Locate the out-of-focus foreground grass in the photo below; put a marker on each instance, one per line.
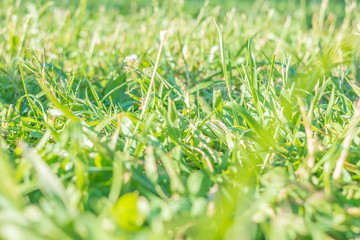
(239, 121)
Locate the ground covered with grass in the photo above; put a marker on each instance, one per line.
(179, 120)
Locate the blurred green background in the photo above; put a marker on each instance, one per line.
(193, 6)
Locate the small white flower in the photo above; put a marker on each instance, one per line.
(132, 57)
(132, 63)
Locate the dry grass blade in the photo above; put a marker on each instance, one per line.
(350, 134)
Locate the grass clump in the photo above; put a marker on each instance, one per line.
(239, 120)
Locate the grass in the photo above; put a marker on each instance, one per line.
(242, 119)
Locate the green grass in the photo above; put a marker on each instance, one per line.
(242, 122)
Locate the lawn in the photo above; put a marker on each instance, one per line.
(179, 119)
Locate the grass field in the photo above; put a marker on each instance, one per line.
(179, 119)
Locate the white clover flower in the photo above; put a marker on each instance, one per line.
(132, 57)
(132, 63)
